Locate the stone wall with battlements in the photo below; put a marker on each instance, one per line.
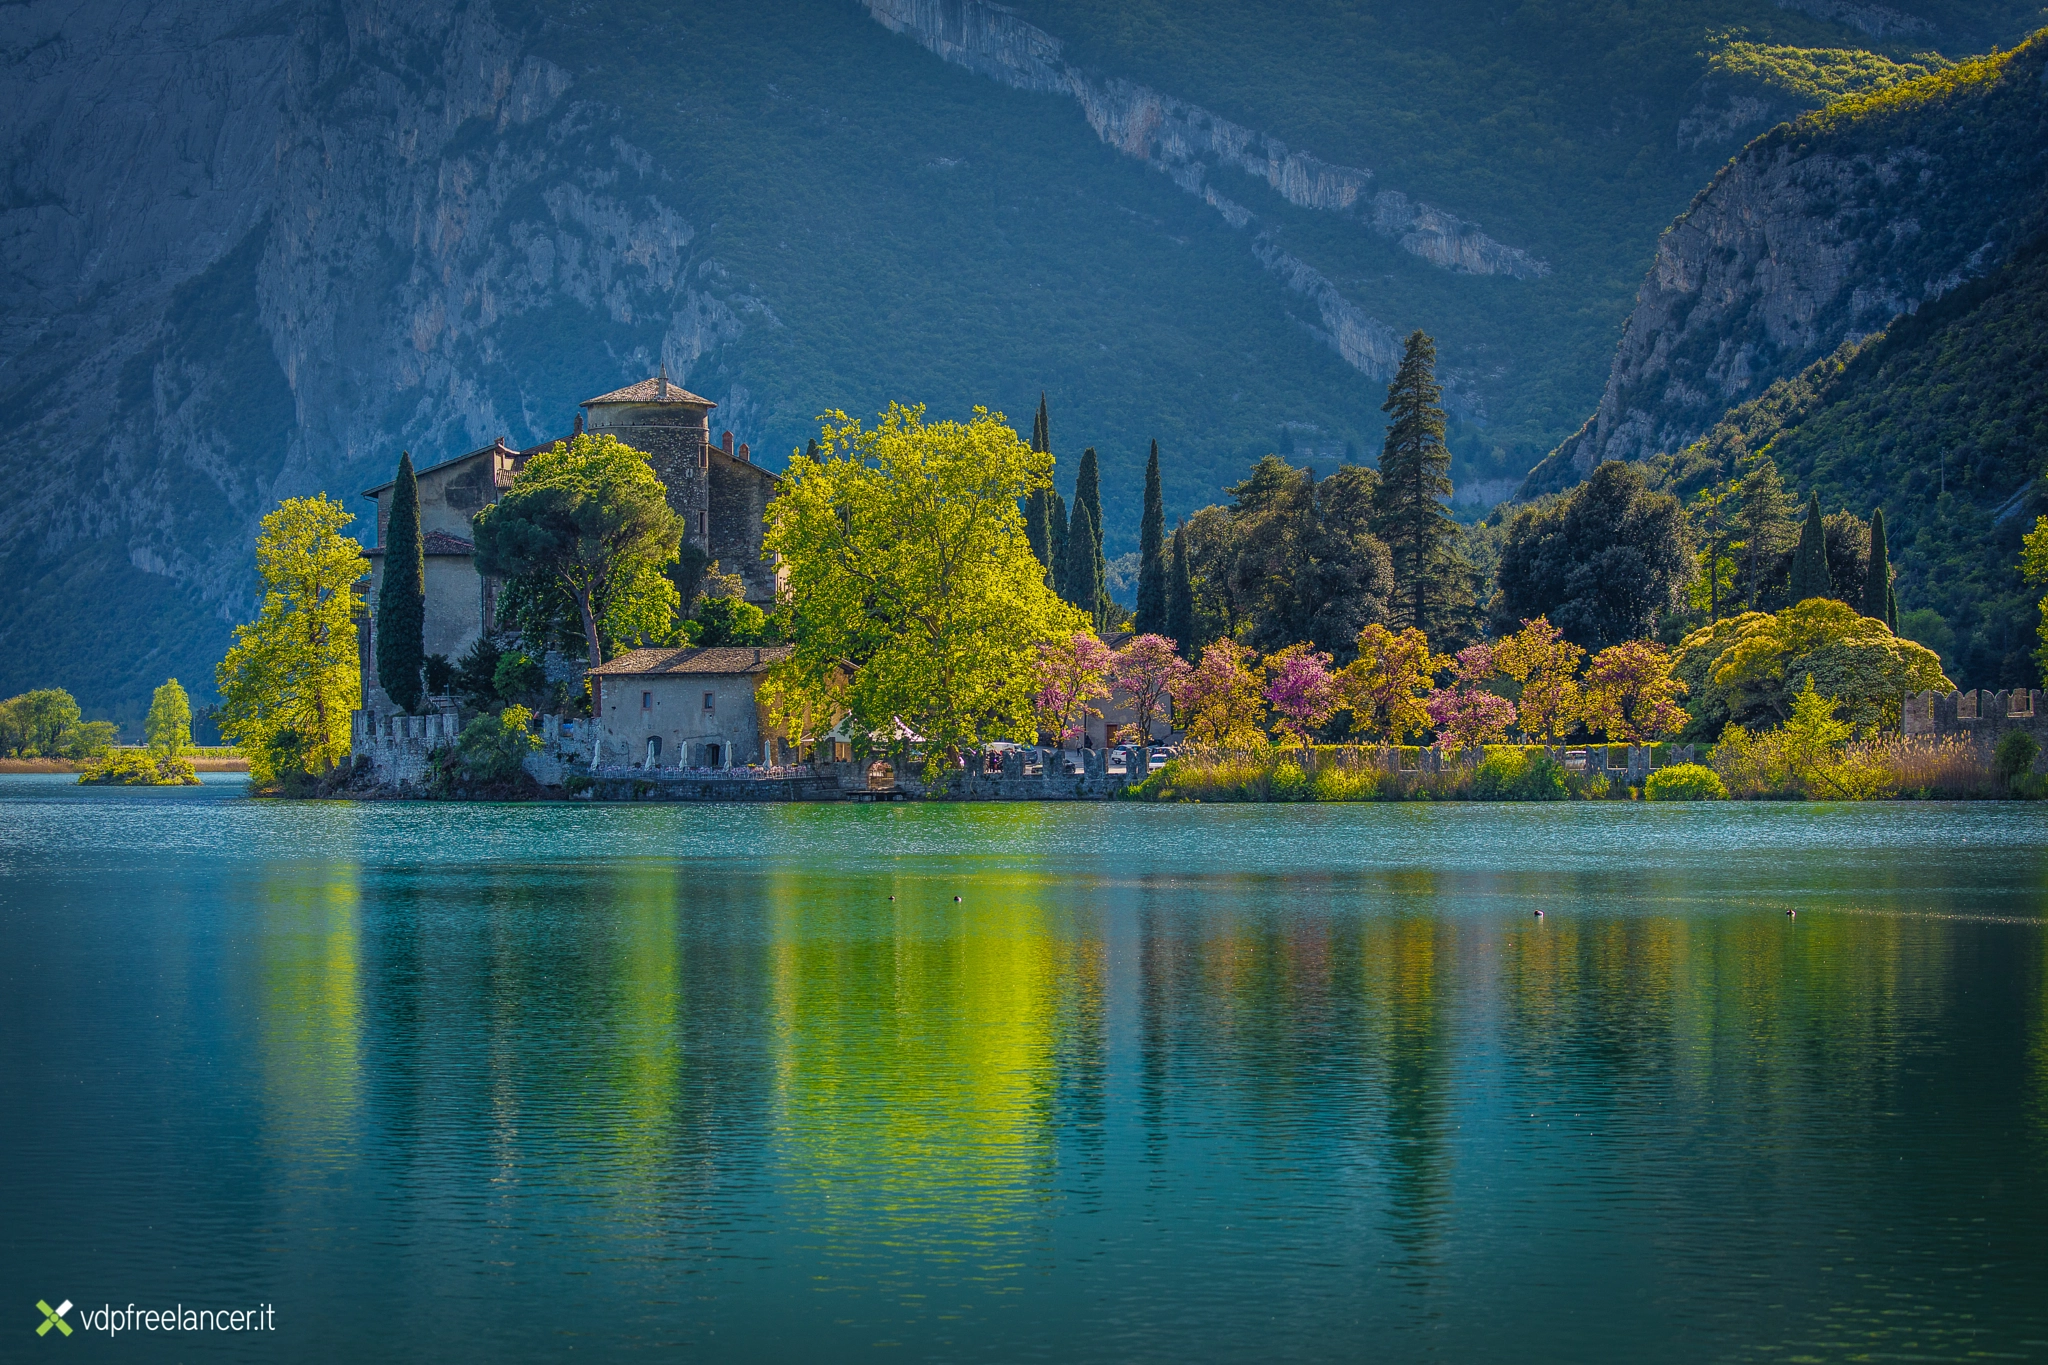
(1983, 716)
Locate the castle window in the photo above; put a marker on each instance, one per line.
(703, 523)
(710, 702)
(646, 701)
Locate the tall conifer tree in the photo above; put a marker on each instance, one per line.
(1408, 505)
(1088, 493)
(1038, 505)
(1180, 596)
(1810, 560)
(1878, 601)
(402, 601)
(1078, 576)
(1150, 618)
(1764, 522)
(1056, 533)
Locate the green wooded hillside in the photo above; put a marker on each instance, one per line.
(1942, 419)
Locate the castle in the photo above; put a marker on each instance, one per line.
(718, 491)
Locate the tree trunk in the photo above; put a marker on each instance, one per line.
(589, 626)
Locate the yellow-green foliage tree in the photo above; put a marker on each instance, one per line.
(291, 680)
(1747, 669)
(585, 531)
(1219, 702)
(1630, 695)
(47, 724)
(1547, 666)
(2034, 564)
(912, 590)
(1386, 686)
(169, 726)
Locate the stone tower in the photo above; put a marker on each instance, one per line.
(719, 492)
(673, 427)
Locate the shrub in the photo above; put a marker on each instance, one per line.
(129, 768)
(1685, 782)
(518, 676)
(1344, 784)
(1507, 774)
(1288, 782)
(2015, 756)
(492, 749)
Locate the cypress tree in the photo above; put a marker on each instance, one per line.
(1408, 506)
(1078, 576)
(1891, 609)
(1878, 601)
(1056, 535)
(1088, 493)
(1810, 560)
(1038, 503)
(402, 601)
(1150, 618)
(1180, 597)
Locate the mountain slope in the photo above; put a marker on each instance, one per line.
(1941, 419)
(256, 248)
(1822, 231)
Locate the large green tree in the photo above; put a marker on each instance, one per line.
(1150, 617)
(293, 677)
(169, 726)
(1810, 561)
(1604, 563)
(1410, 516)
(402, 600)
(587, 521)
(913, 594)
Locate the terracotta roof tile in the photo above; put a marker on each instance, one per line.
(650, 391)
(442, 543)
(724, 659)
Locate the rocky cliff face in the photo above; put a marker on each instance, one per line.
(1191, 145)
(253, 249)
(1819, 232)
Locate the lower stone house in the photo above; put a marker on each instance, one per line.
(684, 708)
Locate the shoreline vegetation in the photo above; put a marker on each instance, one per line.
(1884, 767)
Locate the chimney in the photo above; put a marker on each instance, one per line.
(745, 458)
(725, 442)
(664, 381)
(579, 424)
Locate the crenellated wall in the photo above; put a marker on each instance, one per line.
(398, 750)
(1983, 715)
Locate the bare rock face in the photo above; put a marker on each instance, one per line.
(1190, 145)
(255, 249)
(1818, 233)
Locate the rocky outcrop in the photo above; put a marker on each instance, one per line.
(1879, 21)
(1819, 232)
(1191, 145)
(255, 249)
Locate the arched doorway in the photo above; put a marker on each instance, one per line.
(653, 750)
(712, 754)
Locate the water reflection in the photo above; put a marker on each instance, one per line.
(1201, 1086)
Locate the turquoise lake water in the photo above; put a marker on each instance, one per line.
(1164, 1083)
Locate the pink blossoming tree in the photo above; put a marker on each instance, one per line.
(1147, 671)
(1301, 691)
(1072, 674)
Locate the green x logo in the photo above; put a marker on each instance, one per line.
(54, 1317)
